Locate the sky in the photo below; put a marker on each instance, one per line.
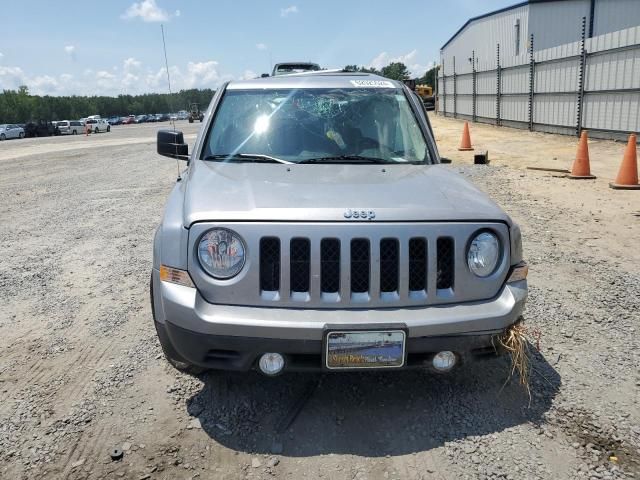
(115, 47)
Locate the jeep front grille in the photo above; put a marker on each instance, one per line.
(360, 266)
(352, 265)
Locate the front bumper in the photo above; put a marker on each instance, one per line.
(232, 337)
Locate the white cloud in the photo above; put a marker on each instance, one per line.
(248, 75)
(1, 54)
(131, 77)
(285, 12)
(409, 59)
(177, 13)
(261, 46)
(71, 51)
(147, 11)
(131, 64)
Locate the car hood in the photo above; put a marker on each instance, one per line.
(278, 192)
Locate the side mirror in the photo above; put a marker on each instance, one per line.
(171, 144)
(445, 160)
(264, 75)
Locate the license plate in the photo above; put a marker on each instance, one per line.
(365, 349)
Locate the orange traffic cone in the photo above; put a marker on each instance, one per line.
(465, 143)
(581, 169)
(627, 178)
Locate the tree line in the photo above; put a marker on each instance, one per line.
(18, 106)
(398, 71)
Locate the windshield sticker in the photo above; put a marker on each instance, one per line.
(372, 83)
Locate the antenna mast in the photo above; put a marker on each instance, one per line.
(166, 64)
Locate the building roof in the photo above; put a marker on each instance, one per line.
(505, 9)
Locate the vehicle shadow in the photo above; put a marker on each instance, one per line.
(369, 414)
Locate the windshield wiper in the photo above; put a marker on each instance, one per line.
(346, 159)
(246, 157)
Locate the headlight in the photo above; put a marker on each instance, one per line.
(483, 255)
(221, 253)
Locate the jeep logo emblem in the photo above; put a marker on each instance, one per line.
(359, 214)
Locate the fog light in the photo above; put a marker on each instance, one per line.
(444, 361)
(271, 363)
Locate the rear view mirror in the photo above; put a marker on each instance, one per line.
(171, 144)
(445, 160)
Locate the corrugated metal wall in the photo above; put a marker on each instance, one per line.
(483, 35)
(610, 101)
(557, 23)
(613, 15)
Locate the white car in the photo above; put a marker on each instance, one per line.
(8, 131)
(97, 125)
(73, 127)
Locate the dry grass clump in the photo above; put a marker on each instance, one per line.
(518, 340)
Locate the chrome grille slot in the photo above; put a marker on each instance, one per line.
(389, 263)
(330, 265)
(270, 264)
(300, 256)
(360, 265)
(417, 264)
(445, 263)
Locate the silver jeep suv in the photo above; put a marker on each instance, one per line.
(314, 228)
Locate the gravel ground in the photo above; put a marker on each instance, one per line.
(81, 371)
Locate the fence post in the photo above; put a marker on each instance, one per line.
(444, 90)
(531, 82)
(581, 73)
(498, 85)
(455, 86)
(435, 88)
(474, 96)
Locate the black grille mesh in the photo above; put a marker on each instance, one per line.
(360, 259)
(270, 264)
(330, 265)
(300, 258)
(417, 264)
(445, 263)
(389, 265)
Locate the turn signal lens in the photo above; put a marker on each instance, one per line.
(174, 275)
(519, 272)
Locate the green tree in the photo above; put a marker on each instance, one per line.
(17, 106)
(356, 68)
(396, 71)
(429, 77)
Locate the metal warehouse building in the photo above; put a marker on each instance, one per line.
(551, 65)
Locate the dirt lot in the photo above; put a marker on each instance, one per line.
(81, 372)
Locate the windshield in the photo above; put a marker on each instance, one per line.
(337, 124)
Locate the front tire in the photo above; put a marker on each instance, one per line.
(97, 130)
(108, 128)
(21, 135)
(3, 137)
(170, 353)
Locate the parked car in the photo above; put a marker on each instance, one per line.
(41, 128)
(97, 125)
(162, 117)
(70, 127)
(114, 121)
(288, 68)
(151, 118)
(317, 229)
(129, 120)
(9, 130)
(183, 115)
(173, 116)
(141, 119)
